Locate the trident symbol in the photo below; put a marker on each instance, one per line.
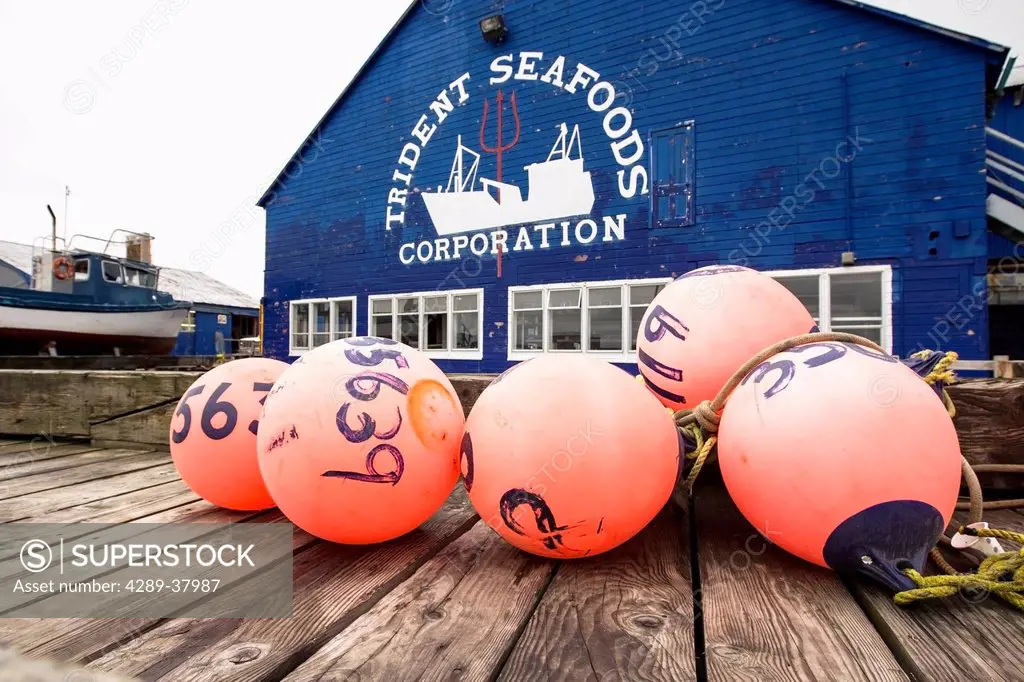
(499, 148)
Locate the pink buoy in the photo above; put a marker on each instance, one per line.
(842, 456)
(359, 440)
(568, 456)
(213, 433)
(703, 326)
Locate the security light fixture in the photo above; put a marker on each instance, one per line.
(493, 28)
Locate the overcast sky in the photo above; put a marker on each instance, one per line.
(171, 116)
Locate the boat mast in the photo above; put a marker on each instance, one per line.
(564, 144)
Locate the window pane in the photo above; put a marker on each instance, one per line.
(643, 294)
(82, 270)
(111, 271)
(564, 298)
(527, 300)
(606, 329)
(465, 302)
(436, 330)
(605, 297)
(300, 331)
(382, 306)
(408, 305)
(343, 319)
(409, 330)
(566, 330)
(636, 315)
(805, 288)
(382, 327)
(871, 333)
(856, 295)
(435, 304)
(466, 328)
(321, 323)
(528, 327)
(301, 317)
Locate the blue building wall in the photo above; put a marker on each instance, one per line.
(772, 89)
(202, 341)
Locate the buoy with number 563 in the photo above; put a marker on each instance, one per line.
(213, 433)
(359, 440)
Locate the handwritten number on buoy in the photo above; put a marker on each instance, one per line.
(212, 409)
(372, 475)
(367, 426)
(363, 341)
(376, 357)
(543, 516)
(356, 386)
(185, 411)
(257, 387)
(834, 352)
(786, 368)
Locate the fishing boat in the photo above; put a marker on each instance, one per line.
(82, 302)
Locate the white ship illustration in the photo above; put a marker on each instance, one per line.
(558, 188)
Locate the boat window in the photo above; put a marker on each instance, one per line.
(140, 278)
(112, 272)
(82, 270)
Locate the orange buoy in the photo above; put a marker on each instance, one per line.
(568, 456)
(213, 433)
(359, 440)
(703, 326)
(842, 456)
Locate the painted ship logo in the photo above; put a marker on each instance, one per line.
(556, 188)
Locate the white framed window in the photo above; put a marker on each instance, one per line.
(442, 324)
(189, 323)
(315, 322)
(856, 299)
(598, 318)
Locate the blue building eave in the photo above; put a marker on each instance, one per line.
(997, 55)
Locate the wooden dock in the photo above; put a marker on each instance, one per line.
(698, 595)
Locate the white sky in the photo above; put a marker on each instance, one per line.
(171, 116)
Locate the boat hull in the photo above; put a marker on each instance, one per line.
(27, 330)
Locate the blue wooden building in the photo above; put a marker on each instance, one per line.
(500, 183)
(221, 316)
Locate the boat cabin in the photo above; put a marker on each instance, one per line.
(108, 279)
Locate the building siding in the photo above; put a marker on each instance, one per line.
(772, 89)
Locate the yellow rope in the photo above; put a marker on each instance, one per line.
(999, 574)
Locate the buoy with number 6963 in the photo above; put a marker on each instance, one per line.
(702, 327)
(359, 440)
(213, 433)
(843, 456)
(569, 456)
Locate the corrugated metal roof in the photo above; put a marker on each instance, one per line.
(17, 255)
(198, 287)
(183, 285)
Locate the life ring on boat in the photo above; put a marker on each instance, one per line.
(63, 268)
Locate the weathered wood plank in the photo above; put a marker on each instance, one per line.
(124, 507)
(623, 615)
(43, 450)
(970, 636)
(69, 402)
(149, 427)
(61, 636)
(36, 504)
(15, 668)
(117, 462)
(768, 615)
(29, 466)
(990, 425)
(457, 617)
(334, 585)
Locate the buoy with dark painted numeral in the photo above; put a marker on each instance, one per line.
(703, 326)
(359, 440)
(844, 457)
(213, 433)
(569, 456)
